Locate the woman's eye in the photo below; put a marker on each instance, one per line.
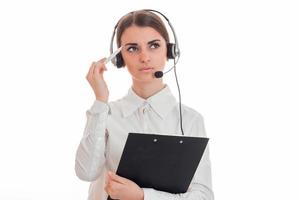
(132, 49)
(154, 46)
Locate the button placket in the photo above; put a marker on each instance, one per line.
(146, 109)
(144, 113)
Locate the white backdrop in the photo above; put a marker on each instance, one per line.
(239, 68)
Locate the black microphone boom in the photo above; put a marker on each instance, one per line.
(158, 74)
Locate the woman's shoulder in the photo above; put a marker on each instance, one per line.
(116, 106)
(191, 113)
(118, 103)
(193, 121)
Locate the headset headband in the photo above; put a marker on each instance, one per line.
(177, 51)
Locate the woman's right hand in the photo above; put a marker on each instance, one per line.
(96, 80)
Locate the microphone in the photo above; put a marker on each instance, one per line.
(158, 74)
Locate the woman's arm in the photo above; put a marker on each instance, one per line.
(90, 156)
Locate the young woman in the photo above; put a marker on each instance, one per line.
(149, 107)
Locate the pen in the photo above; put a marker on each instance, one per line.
(113, 55)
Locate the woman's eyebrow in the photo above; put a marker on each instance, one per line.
(135, 44)
(152, 41)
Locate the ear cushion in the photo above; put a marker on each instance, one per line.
(119, 61)
(171, 51)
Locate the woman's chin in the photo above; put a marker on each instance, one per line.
(145, 78)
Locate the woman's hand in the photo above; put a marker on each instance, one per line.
(96, 80)
(121, 188)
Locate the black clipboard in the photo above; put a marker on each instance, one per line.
(162, 162)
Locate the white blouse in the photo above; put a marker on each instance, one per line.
(106, 131)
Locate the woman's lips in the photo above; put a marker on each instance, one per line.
(146, 69)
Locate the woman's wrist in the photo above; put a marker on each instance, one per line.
(104, 100)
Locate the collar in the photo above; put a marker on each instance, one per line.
(161, 102)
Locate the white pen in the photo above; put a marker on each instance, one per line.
(113, 55)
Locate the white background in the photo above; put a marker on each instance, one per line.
(239, 68)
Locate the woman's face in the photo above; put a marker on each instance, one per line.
(144, 52)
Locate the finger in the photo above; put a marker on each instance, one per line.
(113, 188)
(102, 60)
(107, 180)
(108, 191)
(100, 67)
(98, 73)
(116, 178)
(91, 69)
(96, 68)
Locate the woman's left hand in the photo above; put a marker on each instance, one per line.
(121, 188)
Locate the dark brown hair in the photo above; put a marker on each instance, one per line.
(142, 18)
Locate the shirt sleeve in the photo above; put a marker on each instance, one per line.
(201, 184)
(90, 155)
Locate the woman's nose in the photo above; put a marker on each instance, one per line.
(144, 56)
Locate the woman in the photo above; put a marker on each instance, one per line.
(149, 107)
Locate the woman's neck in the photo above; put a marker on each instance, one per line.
(147, 89)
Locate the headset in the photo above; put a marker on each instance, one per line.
(173, 52)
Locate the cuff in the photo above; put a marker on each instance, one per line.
(99, 107)
(148, 193)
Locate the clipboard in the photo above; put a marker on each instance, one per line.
(162, 162)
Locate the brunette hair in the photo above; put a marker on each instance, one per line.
(142, 18)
